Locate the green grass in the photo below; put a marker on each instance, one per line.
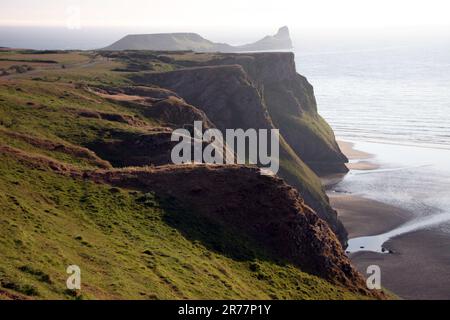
(58, 155)
(128, 245)
(50, 110)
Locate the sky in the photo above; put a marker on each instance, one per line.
(250, 14)
(88, 24)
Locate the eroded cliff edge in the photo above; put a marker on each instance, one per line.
(261, 91)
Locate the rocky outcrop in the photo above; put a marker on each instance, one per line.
(176, 113)
(192, 41)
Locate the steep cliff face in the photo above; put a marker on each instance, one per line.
(292, 106)
(231, 90)
(224, 93)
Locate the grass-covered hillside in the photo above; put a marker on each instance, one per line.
(129, 243)
(125, 245)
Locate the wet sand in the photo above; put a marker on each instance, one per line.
(365, 217)
(419, 268)
(351, 153)
(358, 159)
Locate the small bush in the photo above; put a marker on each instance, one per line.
(255, 267)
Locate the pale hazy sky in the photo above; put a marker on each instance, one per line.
(227, 13)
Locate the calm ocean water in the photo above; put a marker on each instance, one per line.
(393, 102)
(392, 95)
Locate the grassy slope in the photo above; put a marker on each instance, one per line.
(124, 246)
(122, 240)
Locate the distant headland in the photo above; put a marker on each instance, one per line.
(192, 41)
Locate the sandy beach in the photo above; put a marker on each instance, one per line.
(419, 267)
(365, 217)
(358, 160)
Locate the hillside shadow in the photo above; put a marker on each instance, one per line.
(212, 235)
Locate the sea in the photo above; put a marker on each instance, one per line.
(390, 96)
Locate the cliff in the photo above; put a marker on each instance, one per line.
(263, 91)
(84, 153)
(192, 41)
(292, 106)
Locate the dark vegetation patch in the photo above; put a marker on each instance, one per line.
(43, 51)
(40, 275)
(26, 289)
(15, 69)
(30, 60)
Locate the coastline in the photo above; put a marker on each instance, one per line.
(362, 216)
(418, 265)
(358, 160)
